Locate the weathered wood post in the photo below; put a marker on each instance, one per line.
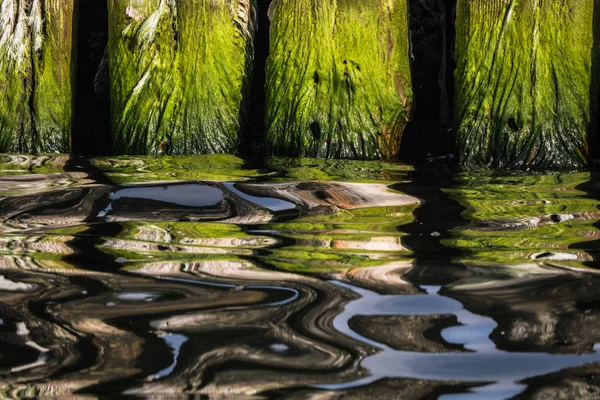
(595, 91)
(178, 73)
(37, 67)
(523, 82)
(338, 78)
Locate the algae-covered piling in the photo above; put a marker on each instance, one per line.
(523, 82)
(36, 79)
(338, 78)
(595, 90)
(178, 74)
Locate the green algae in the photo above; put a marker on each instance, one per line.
(37, 80)
(595, 91)
(523, 78)
(338, 78)
(178, 74)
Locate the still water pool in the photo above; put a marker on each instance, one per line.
(296, 279)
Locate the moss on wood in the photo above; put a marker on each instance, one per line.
(178, 74)
(338, 78)
(595, 91)
(36, 83)
(523, 80)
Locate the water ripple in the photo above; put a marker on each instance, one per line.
(295, 279)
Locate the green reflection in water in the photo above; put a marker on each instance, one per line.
(182, 241)
(314, 169)
(17, 164)
(217, 167)
(544, 219)
(153, 169)
(347, 239)
(524, 218)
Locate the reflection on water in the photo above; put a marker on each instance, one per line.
(295, 279)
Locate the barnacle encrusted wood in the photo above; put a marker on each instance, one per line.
(338, 78)
(178, 74)
(36, 75)
(523, 82)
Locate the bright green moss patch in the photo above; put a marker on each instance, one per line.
(338, 78)
(178, 74)
(523, 79)
(36, 79)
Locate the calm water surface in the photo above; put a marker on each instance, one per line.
(297, 279)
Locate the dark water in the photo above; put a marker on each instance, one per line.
(297, 279)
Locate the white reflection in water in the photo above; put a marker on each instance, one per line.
(270, 203)
(502, 371)
(174, 341)
(187, 195)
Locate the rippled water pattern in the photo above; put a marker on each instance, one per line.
(297, 279)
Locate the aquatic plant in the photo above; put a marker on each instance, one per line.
(523, 79)
(338, 78)
(178, 74)
(36, 83)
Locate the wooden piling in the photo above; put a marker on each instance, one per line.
(338, 78)
(37, 64)
(523, 83)
(178, 73)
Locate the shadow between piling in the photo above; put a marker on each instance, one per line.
(432, 30)
(92, 112)
(252, 133)
(437, 216)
